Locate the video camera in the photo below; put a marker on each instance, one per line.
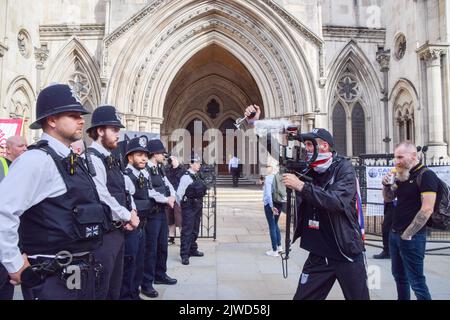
(293, 155)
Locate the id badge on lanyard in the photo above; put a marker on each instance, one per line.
(314, 223)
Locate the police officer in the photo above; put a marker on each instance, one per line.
(137, 155)
(156, 229)
(110, 182)
(190, 195)
(51, 207)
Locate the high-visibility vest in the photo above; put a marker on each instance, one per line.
(5, 166)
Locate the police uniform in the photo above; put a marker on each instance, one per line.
(6, 288)
(133, 270)
(190, 195)
(156, 229)
(49, 205)
(113, 190)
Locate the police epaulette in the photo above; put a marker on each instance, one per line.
(38, 145)
(128, 171)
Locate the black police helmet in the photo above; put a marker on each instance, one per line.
(54, 99)
(105, 116)
(156, 146)
(137, 145)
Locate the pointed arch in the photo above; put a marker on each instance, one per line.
(75, 65)
(20, 101)
(352, 61)
(273, 53)
(404, 112)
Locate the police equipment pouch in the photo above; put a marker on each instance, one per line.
(90, 221)
(196, 190)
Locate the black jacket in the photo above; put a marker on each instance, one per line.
(333, 194)
(174, 175)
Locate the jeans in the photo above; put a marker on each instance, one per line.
(407, 265)
(274, 229)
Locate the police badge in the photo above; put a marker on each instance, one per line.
(143, 142)
(74, 93)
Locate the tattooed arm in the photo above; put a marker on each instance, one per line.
(428, 201)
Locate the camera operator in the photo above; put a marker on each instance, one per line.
(327, 223)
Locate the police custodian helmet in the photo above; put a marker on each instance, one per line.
(156, 146)
(138, 144)
(105, 116)
(56, 98)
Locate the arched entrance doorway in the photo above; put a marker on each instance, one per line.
(213, 87)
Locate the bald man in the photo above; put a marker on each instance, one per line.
(15, 146)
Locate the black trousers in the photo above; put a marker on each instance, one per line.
(191, 212)
(110, 255)
(6, 288)
(235, 172)
(319, 275)
(387, 224)
(156, 249)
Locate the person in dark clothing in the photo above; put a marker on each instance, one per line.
(174, 172)
(389, 208)
(415, 188)
(327, 223)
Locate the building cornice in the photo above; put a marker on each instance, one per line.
(333, 32)
(82, 31)
(432, 51)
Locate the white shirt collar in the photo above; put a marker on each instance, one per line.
(60, 148)
(135, 171)
(100, 148)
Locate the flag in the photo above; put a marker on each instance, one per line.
(359, 210)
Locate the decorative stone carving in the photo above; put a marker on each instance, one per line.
(215, 24)
(384, 59)
(431, 53)
(400, 46)
(80, 84)
(157, 4)
(41, 55)
(24, 43)
(348, 88)
(3, 48)
(81, 31)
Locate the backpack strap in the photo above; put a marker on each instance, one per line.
(418, 178)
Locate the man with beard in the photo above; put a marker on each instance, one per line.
(156, 229)
(50, 206)
(133, 271)
(110, 182)
(415, 204)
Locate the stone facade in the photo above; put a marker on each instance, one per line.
(373, 72)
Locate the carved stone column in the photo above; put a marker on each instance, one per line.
(384, 59)
(41, 56)
(431, 54)
(130, 120)
(156, 125)
(143, 121)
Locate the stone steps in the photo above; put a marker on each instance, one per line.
(241, 194)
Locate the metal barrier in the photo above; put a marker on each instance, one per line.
(373, 212)
(208, 223)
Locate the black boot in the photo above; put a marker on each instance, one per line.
(382, 255)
